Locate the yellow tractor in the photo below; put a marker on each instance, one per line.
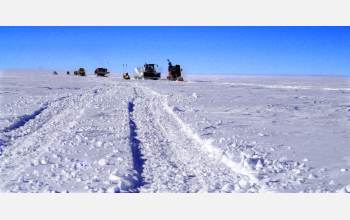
(80, 72)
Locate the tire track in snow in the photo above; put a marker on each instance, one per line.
(31, 147)
(9, 132)
(25, 118)
(137, 156)
(206, 146)
(35, 153)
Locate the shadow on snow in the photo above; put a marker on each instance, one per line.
(24, 119)
(138, 161)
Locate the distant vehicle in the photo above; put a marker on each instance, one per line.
(55, 73)
(174, 72)
(126, 76)
(101, 72)
(68, 72)
(148, 71)
(80, 72)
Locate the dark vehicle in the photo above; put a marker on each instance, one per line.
(150, 72)
(101, 72)
(174, 72)
(68, 72)
(126, 76)
(55, 73)
(80, 72)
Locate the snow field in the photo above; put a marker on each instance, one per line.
(75, 134)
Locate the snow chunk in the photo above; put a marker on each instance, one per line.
(102, 162)
(43, 161)
(112, 189)
(262, 134)
(99, 143)
(35, 163)
(259, 165)
(114, 178)
(243, 183)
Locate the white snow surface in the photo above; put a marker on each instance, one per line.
(61, 133)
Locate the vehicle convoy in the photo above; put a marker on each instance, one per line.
(174, 72)
(80, 72)
(101, 72)
(148, 71)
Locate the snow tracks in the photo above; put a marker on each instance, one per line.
(74, 144)
(119, 137)
(176, 159)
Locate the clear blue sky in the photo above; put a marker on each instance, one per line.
(220, 50)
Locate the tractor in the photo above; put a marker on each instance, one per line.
(80, 72)
(148, 72)
(174, 72)
(101, 72)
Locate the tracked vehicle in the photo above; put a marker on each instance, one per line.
(101, 72)
(174, 72)
(148, 71)
(80, 72)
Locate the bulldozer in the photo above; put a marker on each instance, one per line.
(101, 72)
(148, 72)
(80, 72)
(174, 72)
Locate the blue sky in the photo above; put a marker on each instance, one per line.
(200, 50)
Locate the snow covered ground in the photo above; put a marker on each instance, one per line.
(214, 134)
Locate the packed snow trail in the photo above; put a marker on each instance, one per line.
(177, 159)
